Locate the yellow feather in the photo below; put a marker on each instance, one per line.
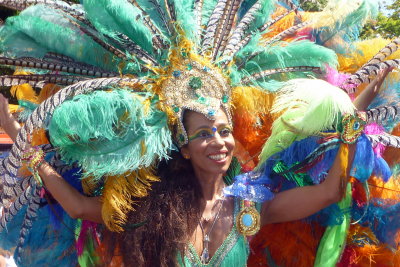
(334, 12)
(47, 91)
(251, 99)
(119, 194)
(13, 108)
(25, 91)
(365, 50)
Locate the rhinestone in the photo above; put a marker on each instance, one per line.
(176, 73)
(195, 82)
(201, 100)
(247, 220)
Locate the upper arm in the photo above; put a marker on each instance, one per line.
(90, 209)
(297, 203)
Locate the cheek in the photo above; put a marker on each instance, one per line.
(196, 147)
(231, 144)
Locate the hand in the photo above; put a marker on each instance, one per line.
(7, 120)
(365, 98)
(377, 82)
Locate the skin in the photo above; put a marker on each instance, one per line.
(289, 205)
(2, 261)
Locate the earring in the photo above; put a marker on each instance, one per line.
(185, 156)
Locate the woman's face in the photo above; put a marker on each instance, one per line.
(211, 143)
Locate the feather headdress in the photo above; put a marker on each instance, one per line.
(137, 55)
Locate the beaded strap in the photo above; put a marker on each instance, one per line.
(33, 158)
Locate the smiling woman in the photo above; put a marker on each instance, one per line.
(141, 138)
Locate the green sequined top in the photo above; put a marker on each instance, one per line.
(234, 251)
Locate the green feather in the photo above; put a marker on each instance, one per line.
(333, 241)
(38, 30)
(156, 17)
(260, 17)
(308, 107)
(110, 132)
(208, 8)
(185, 17)
(234, 170)
(340, 35)
(119, 16)
(300, 53)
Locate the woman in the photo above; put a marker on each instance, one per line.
(172, 56)
(187, 212)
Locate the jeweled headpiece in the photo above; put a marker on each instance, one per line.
(197, 87)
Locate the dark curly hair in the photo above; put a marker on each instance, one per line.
(161, 225)
(163, 222)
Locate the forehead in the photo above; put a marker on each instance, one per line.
(195, 120)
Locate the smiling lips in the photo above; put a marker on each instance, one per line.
(218, 157)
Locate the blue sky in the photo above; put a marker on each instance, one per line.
(383, 3)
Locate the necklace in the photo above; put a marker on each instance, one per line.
(205, 255)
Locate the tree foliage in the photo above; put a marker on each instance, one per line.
(313, 5)
(386, 26)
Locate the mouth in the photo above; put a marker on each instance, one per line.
(218, 157)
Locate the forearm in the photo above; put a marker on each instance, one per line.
(365, 98)
(11, 127)
(73, 202)
(301, 202)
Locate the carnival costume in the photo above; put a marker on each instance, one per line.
(131, 68)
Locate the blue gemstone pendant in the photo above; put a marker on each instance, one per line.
(248, 221)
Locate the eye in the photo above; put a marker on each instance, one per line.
(225, 132)
(204, 134)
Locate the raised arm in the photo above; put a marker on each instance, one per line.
(73, 202)
(7, 120)
(302, 202)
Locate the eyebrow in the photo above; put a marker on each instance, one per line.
(209, 127)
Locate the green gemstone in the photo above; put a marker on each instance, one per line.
(184, 54)
(189, 67)
(181, 138)
(176, 109)
(202, 100)
(225, 99)
(195, 83)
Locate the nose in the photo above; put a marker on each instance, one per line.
(218, 139)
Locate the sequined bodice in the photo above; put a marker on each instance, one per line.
(233, 251)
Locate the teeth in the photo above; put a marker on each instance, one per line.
(217, 157)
